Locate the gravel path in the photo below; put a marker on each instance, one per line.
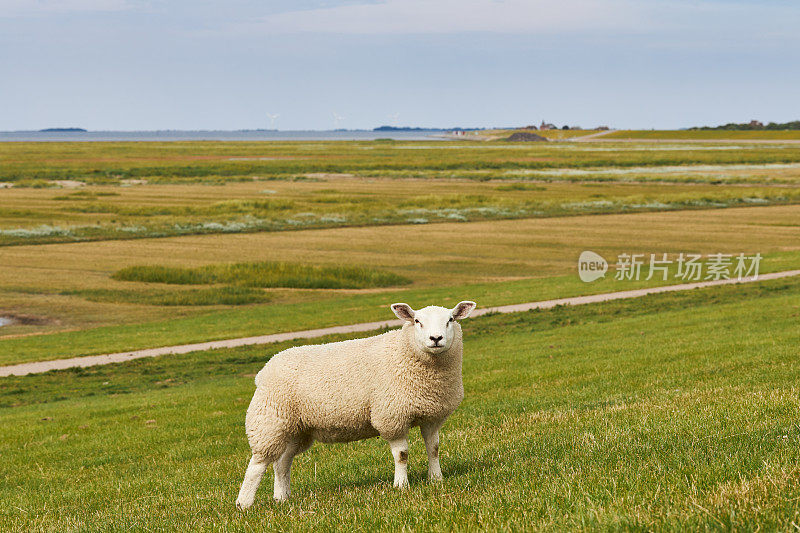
(93, 360)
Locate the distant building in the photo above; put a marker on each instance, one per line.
(603, 128)
(756, 124)
(546, 126)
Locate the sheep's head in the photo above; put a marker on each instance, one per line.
(434, 327)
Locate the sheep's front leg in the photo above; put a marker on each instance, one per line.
(399, 448)
(430, 433)
(252, 478)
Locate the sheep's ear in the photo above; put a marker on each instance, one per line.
(403, 312)
(463, 309)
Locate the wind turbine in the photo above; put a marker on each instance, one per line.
(272, 119)
(337, 118)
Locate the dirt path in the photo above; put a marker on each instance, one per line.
(591, 136)
(93, 360)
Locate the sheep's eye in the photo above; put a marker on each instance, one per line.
(451, 319)
(417, 321)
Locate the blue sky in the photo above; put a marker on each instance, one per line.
(179, 64)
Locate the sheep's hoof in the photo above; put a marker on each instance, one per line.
(435, 478)
(242, 506)
(401, 484)
(280, 498)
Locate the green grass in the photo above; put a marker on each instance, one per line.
(85, 195)
(673, 412)
(265, 274)
(145, 374)
(188, 297)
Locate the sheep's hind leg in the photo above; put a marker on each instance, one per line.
(283, 467)
(252, 478)
(399, 448)
(430, 433)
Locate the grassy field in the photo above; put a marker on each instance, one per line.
(711, 135)
(68, 192)
(197, 205)
(37, 164)
(503, 262)
(35, 216)
(673, 412)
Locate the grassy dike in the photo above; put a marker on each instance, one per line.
(669, 412)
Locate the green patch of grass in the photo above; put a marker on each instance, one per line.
(85, 195)
(226, 207)
(266, 274)
(252, 206)
(520, 187)
(450, 201)
(189, 297)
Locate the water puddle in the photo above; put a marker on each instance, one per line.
(25, 320)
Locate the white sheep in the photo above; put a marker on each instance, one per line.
(356, 389)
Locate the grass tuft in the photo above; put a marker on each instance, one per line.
(190, 297)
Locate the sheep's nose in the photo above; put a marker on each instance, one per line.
(436, 339)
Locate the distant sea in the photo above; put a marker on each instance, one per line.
(244, 135)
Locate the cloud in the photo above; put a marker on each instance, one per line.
(541, 17)
(455, 16)
(25, 8)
